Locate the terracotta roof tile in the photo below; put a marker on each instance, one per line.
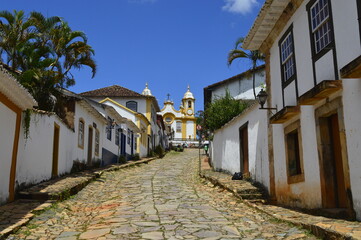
(111, 91)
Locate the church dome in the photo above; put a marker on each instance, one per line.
(147, 91)
(188, 94)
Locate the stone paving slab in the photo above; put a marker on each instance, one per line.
(164, 199)
(326, 228)
(43, 195)
(64, 187)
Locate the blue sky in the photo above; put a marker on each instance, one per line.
(167, 43)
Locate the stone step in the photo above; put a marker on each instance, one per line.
(256, 196)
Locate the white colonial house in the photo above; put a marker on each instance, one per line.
(14, 99)
(313, 71)
(241, 144)
(83, 132)
(140, 108)
(181, 124)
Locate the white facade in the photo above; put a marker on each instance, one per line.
(35, 157)
(13, 100)
(321, 108)
(226, 145)
(7, 127)
(240, 88)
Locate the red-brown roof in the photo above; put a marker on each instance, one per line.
(111, 91)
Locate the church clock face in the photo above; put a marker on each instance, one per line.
(189, 111)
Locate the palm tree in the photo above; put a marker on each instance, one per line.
(71, 52)
(14, 34)
(254, 56)
(43, 51)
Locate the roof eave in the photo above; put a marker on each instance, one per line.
(264, 23)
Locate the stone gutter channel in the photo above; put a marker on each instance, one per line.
(325, 228)
(38, 198)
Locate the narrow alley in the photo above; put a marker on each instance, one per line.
(164, 199)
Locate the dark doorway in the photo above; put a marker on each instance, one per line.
(132, 143)
(90, 146)
(332, 172)
(54, 170)
(243, 148)
(122, 143)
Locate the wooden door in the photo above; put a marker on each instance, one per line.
(243, 148)
(54, 170)
(90, 146)
(332, 172)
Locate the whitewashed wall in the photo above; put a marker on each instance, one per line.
(304, 194)
(35, 154)
(7, 129)
(352, 119)
(89, 119)
(225, 145)
(346, 31)
(238, 87)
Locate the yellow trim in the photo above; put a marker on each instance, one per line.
(141, 116)
(148, 110)
(172, 108)
(138, 139)
(171, 115)
(184, 129)
(189, 118)
(195, 129)
(118, 104)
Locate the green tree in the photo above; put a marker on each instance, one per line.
(254, 56)
(43, 51)
(14, 34)
(222, 110)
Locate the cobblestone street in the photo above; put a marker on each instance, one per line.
(164, 199)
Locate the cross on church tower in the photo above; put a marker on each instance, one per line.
(168, 95)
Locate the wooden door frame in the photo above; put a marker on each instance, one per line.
(56, 139)
(90, 145)
(334, 107)
(241, 130)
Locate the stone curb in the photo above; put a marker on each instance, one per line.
(317, 230)
(62, 195)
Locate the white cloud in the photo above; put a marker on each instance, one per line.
(239, 6)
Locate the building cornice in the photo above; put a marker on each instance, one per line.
(270, 21)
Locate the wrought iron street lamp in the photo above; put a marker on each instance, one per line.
(262, 98)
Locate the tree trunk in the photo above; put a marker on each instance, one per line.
(254, 80)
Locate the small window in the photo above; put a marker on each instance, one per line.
(288, 65)
(168, 119)
(179, 127)
(132, 105)
(287, 57)
(294, 153)
(189, 104)
(81, 133)
(320, 25)
(96, 150)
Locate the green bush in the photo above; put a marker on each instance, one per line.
(222, 110)
(78, 166)
(151, 154)
(122, 159)
(159, 151)
(136, 156)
